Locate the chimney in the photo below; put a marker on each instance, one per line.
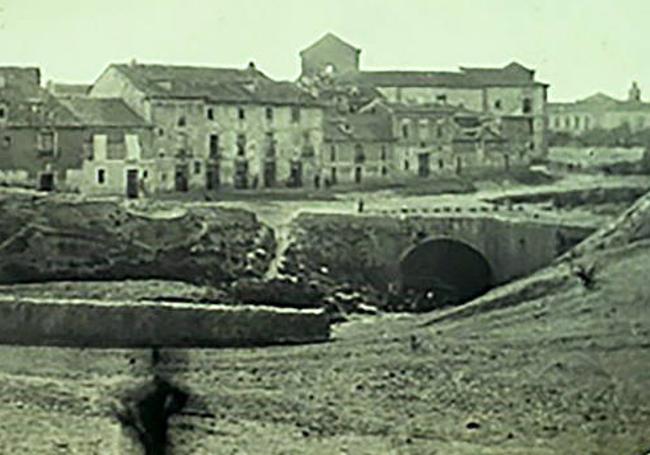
(133, 62)
(251, 66)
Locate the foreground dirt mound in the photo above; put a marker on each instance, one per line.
(52, 238)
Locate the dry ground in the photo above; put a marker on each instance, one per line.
(551, 368)
(565, 373)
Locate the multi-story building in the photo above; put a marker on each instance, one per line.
(217, 126)
(510, 94)
(440, 138)
(114, 147)
(600, 111)
(358, 147)
(43, 139)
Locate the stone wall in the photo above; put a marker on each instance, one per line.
(93, 323)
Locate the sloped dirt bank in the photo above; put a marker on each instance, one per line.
(46, 239)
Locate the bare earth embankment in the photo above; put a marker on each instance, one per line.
(552, 364)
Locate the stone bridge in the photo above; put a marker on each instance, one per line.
(464, 253)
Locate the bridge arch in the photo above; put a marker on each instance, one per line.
(454, 270)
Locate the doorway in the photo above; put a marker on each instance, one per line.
(132, 183)
(295, 175)
(181, 177)
(212, 176)
(269, 173)
(241, 174)
(358, 174)
(46, 181)
(423, 165)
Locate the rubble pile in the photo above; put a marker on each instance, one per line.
(49, 238)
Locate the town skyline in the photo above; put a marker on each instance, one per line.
(591, 47)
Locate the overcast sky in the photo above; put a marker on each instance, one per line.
(578, 46)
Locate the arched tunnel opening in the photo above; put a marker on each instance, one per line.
(443, 271)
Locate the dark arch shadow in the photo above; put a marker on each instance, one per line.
(455, 271)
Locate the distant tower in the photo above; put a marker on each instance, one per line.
(634, 94)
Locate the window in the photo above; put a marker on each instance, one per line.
(46, 142)
(182, 121)
(442, 98)
(269, 114)
(145, 174)
(405, 130)
(3, 112)
(567, 122)
(406, 165)
(241, 144)
(576, 122)
(384, 170)
(423, 144)
(214, 146)
(210, 113)
(438, 131)
(383, 153)
(558, 122)
(359, 156)
(6, 142)
(270, 145)
(197, 167)
(333, 153)
(101, 176)
(527, 106)
(586, 123)
(241, 113)
(160, 132)
(295, 114)
(308, 149)
(497, 104)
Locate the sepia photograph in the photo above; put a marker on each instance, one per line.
(325, 227)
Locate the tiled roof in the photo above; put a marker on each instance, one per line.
(513, 74)
(103, 112)
(27, 103)
(225, 85)
(359, 128)
(61, 90)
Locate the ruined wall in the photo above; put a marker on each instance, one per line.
(93, 323)
(341, 57)
(369, 248)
